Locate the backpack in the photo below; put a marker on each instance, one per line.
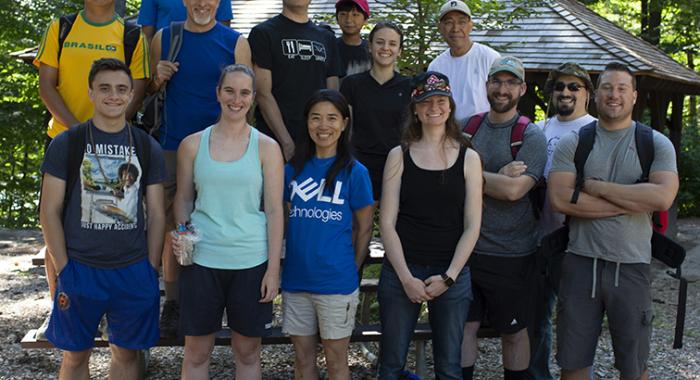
(538, 192)
(132, 32)
(516, 133)
(76, 149)
(553, 246)
(151, 115)
(644, 142)
(663, 248)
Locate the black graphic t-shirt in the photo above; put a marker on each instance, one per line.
(104, 221)
(300, 57)
(354, 59)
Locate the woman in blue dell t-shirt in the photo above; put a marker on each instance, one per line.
(324, 188)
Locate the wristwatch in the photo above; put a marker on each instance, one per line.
(447, 279)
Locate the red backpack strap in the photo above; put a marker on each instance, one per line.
(517, 133)
(473, 124)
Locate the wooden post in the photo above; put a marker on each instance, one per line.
(640, 105)
(659, 107)
(675, 132)
(526, 105)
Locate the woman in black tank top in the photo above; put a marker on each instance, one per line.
(430, 219)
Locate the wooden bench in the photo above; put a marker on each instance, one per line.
(363, 333)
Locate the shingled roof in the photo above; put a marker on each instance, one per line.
(566, 30)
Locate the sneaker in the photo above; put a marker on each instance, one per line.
(169, 318)
(41, 331)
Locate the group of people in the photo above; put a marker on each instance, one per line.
(445, 156)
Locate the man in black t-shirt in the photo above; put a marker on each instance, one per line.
(292, 59)
(352, 15)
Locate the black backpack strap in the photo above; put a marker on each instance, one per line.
(644, 141)
(143, 152)
(76, 149)
(176, 33)
(132, 33)
(65, 23)
(586, 138)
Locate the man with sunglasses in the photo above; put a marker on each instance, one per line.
(503, 257)
(569, 88)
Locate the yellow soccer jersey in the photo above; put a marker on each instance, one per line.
(86, 43)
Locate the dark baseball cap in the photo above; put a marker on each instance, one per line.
(568, 68)
(429, 84)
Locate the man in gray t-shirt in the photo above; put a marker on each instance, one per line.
(607, 268)
(503, 256)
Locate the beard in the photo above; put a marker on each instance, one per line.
(565, 109)
(202, 20)
(502, 107)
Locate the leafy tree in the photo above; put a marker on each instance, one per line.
(22, 23)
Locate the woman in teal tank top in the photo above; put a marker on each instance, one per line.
(223, 174)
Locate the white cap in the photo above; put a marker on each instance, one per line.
(454, 5)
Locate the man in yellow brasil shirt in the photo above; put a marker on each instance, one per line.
(98, 32)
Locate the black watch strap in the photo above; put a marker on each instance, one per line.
(449, 281)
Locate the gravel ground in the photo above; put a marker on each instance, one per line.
(25, 304)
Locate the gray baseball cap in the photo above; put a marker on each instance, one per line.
(508, 64)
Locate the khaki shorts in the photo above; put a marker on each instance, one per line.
(330, 315)
(170, 187)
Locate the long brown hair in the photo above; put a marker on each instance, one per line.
(413, 130)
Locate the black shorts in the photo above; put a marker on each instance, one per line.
(502, 291)
(205, 292)
(375, 165)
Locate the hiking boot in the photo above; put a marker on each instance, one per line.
(169, 318)
(41, 331)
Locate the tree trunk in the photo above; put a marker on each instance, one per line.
(693, 101)
(644, 19)
(651, 21)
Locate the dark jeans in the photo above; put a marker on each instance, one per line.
(398, 315)
(540, 330)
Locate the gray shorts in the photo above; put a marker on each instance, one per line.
(581, 308)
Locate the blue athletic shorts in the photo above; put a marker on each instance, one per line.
(129, 296)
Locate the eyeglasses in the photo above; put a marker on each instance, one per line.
(573, 86)
(510, 83)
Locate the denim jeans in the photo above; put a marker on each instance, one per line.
(540, 331)
(398, 315)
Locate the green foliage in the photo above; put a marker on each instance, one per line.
(688, 163)
(22, 23)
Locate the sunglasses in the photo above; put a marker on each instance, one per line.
(573, 86)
